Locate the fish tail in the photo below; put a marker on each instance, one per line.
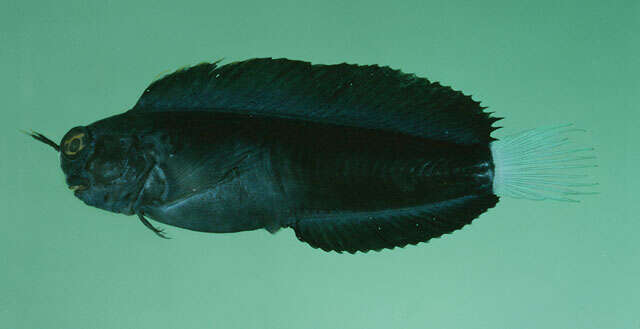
(542, 164)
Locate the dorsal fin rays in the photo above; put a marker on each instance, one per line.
(367, 96)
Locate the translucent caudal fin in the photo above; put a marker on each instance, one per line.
(541, 164)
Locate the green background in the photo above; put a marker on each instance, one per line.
(521, 265)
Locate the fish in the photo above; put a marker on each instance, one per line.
(351, 157)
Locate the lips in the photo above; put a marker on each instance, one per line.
(75, 188)
(77, 184)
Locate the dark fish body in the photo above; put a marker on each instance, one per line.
(352, 158)
(220, 172)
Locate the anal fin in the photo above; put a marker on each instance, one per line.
(386, 229)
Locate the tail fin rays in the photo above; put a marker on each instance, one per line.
(542, 164)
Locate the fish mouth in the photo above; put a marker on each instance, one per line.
(76, 188)
(77, 184)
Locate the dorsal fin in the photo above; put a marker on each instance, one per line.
(343, 94)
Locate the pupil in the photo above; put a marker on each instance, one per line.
(74, 145)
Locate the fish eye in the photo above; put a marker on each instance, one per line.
(74, 143)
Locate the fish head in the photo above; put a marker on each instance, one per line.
(103, 168)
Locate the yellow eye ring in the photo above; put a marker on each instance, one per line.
(74, 144)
